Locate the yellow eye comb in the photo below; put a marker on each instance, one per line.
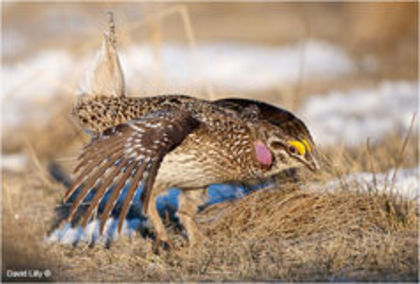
(301, 146)
(308, 146)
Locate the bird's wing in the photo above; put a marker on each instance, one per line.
(129, 153)
(262, 111)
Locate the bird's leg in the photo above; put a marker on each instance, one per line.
(189, 200)
(160, 231)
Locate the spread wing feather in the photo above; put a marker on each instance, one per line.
(128, 153)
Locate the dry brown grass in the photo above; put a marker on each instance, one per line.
(284, 234)
(287, 234)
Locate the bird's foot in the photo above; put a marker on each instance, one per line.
(161, 244)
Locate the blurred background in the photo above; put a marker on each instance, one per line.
(305, 57)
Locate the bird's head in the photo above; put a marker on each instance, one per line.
(282, 140)
(280, 149)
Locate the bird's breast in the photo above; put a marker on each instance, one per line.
(185, 170)
(205, 158)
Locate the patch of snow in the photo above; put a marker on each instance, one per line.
(406, 183)
(14, 162)
(351, 117)
(234, 66)
(69, 235)
(25, 77)
(30, 87)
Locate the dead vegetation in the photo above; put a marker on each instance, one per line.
(283, 234)
(286, 234)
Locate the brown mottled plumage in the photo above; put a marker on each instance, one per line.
(174, 141)
(179, 141)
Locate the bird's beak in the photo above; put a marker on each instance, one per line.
(312, 163)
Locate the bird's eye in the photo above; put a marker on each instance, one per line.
(296, 147)
(292, 150)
